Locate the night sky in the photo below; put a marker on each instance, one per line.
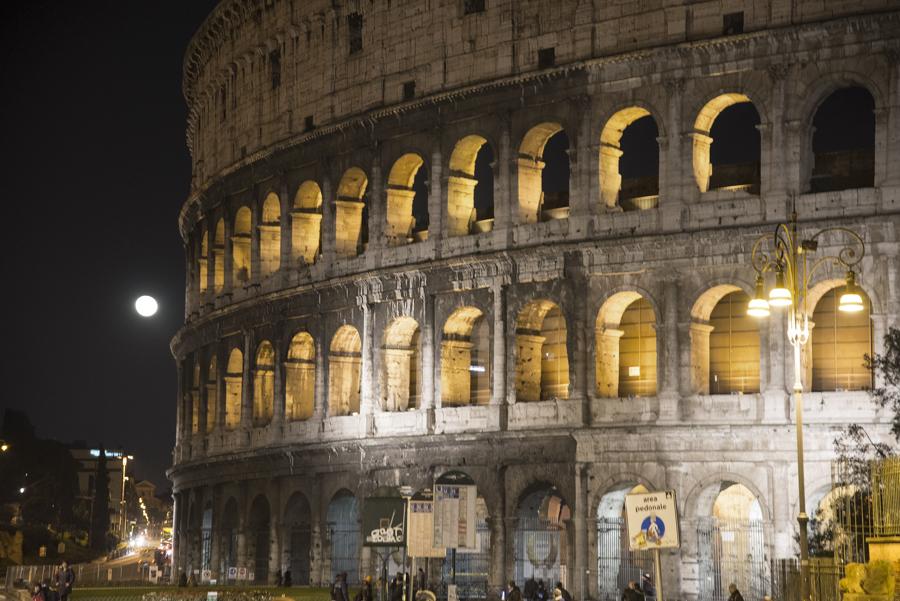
(94, 172)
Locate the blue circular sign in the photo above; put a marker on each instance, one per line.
(653, 528)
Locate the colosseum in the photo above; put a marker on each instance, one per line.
(512, 239)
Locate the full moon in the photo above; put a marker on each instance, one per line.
(146, 306)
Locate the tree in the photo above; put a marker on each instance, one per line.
(888, 366)
(100, 508)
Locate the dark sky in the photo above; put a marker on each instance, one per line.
(94, 171)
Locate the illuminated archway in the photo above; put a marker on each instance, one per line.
(306, 222)
(212, 394)
(466, 359)
(543, 166)
(219, 257)
(629, 160)
(344, 367)
(234, 387)
(617, 564)
(351, 216)
(542, 361)
(843, 141)
(470, 187)
(270, 236)
(541, 545)
(839, 342)
(407, 201)
(240, 247)
(401, 365)
(264, 384)
(300, 372)
(195, 399)
(736, 156)
(203, 262)
(626, 346)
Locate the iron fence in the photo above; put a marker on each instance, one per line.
(732, 552)
(617, 564)
(469, 568)
(86, 574)
(885, 475)
(539, 551)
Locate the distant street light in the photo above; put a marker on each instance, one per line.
(788, 257)
(146, 306)
(4, 446)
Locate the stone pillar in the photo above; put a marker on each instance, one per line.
(608, 361)
(215, 535)
(774, 163)
(285, 227)
(775, 387)
(673, 161)
(228, 261)
(329, 208)
(436, 200)
(255, 263)
(203, 398)
(699, 354)
(497, 523)
(500, 394)
(377, 213)
(178, 533)
(247, 383)
(581, 192)
(578, 581)
(179, 410)
(367, 401)
(667, 337)
(609, 176)
(528, 174)
(430, 372)
(221, 370)
(702, 165)
(504, 200)
(278, 413)
(319, 398)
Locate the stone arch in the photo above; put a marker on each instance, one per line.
(401, 360)
(614, 188)
(306, 222)
(270, 235)
(212, 394)
(351, 214)
(465, 359)
(470, 187)
(542, 362)
(234, 386)
(229, 527)
(842, 141)
(300, 377)
(264, 384)
(240, 246)
(835, 354)
(703, 139)
(625, 349)
(259, 539)
(407, 200)
(541, 541)
(617, 564)
(203, 261)
(344, 370)
(537, 201)
(195, 397)
(342, 526)
(219, 257)
(297, 537)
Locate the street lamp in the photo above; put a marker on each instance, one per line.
(788, 257)
(125, 459)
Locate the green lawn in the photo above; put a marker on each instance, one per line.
(126, 592)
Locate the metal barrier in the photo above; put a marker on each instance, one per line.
(617, 564)
(886, 496)
(732, 552)
(85, 574)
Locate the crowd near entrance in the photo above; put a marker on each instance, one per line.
(541, 544)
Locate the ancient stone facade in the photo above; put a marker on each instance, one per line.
(387, 282)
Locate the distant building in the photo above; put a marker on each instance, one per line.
(87, 472)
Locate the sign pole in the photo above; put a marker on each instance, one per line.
(658, 575)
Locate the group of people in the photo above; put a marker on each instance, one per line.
(340, 591)
(59, 589)
(284, 580)
(645, 591)
(535, 591)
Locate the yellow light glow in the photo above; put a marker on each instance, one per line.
(758, 307)
(851, 300)
(146, 306)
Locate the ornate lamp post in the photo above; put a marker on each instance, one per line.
(788, 257)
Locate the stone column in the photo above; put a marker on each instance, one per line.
(673, 163)
(221, 370)
(578, 581)
(429, 368)
(497, 524)
(278, 413)
(436, 194)
(179, 410)
(504, 199)
(609, 176)
(367, 401)
(774, 164)
(228, 262)
(608, 361)
(202, 398)
(774, 353)
(500, 394)
(377, 209)
(247, 383)
(329, 206)
(286, 263)
(255, 263)
(702, 165)
(668, 365)
(699, 354)
(321, 391)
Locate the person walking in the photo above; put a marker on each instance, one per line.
(344, 587)
(420, 580)
(566, 595)
(287, 579)
(540, 593)
(734, 593)
(632, 593)
(647, 587)
(513, 592)
(337, 589)
(530, 589)
(65, 580)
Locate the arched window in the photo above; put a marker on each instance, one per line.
(629, 160)
(264, 384)
(344, 366)
(466, 359)
(270, 236)
(726, 145)
(300, 370)
(470, 187)
(351, 217)
(843, 141)
(240, 247)
(306, 222)
(407, 201)
(219, 257)
(204, 261)
(840, 342)
(544, 174)
(342, 521)
(212, 395)
(626, 347)
(234, 388)
(542, 362)
(733, 346)
(401, 365)
(195, 399)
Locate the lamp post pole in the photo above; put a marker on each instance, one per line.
(785, 254)
(125, 459)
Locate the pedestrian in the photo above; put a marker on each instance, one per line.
(49, 593)
(65, 580)
(278, 580)
(513, 592)
(287, 579)
(540, 593)
(647, 587)
(734, 593)
(395, 590)
(530, 589)
(365, 591)
(566, 595)
(37, 593)
(420, 580)
(631, 592)
(344, 587)
(337, 590)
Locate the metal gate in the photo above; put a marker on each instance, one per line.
(472, 566)
(345, 551)
(616, 563)
(298, 555)
(732, 552)
(540, 551)
(261, 556)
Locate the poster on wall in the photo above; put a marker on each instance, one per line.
(421, 527)
(384, 522)
(455, 519)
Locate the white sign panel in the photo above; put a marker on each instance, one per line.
(652, 519)
(454, 515)
(421, 530)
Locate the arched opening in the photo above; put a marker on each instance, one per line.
(470, 187)
(407, 201)
(342, 522)
(203, 263)
(455, 491)
(727, 145)
(298, 538)
(731, 543)
(626, 347)
(544, 174)
(219, 257)
(195, 399)
(617, 564)
(402, 387)
(234, 378)
(466, 359)
(206, 529)
(541, 541)
(542, 361)
(840, 341)
(629, 160)
(300, 372)
(351, 214)
(212, 394)
(724, 343)
(344, 367)
(306, 223)
(264, 384)
(843, 141)
(270, 236)
(259, 538)
(228, 538)
(240, 247)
